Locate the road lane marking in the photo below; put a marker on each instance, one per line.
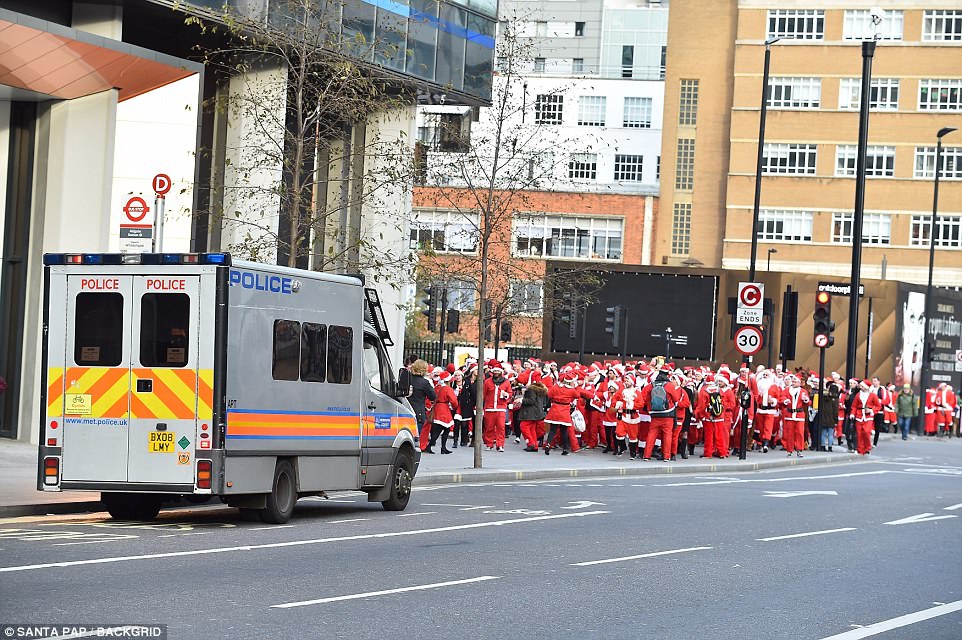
(419, 513)
(796, 494)
(297, 543)
(954, 507)
(784, 479)
(488, 506)
(643, 555)
(902, 621)
(349, 520)
(272, 527)
(432, 504)
(370, 594)
(922, 517)
(798, 535)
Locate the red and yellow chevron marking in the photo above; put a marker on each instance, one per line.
(173, 394)
(107, 389)
(54, 392)
(280, 425)
(205, 394)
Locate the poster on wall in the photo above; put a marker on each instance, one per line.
(945, 336)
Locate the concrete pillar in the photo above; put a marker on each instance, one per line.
(253, 172)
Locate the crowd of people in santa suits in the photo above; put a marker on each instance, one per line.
(646, 409)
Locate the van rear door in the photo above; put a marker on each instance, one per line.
(96, 378)
(164, 379)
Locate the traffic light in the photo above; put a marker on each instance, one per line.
(823, 320)
(613, 324)
(505, 331)
(453, 321)
(430, 308)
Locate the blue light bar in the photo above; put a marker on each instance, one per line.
(216, 258)
(170, 258)
(50, 259)
(93, 258)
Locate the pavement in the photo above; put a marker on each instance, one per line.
(857, 549)
(19, 496)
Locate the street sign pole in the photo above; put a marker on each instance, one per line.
(158, 244)
(819, 394)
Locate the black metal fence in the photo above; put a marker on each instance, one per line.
(431, 351)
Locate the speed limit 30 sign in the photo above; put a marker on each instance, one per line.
(748, 340)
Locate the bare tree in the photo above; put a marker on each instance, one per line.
(303, 159)
(487, 181)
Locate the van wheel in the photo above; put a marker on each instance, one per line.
(283, 497)
(400, 483)
(131, 506)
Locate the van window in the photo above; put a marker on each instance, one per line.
(375, 366)
(287, 348)
(313, 352)
(99, 329)
(340, 347)
(164, 329)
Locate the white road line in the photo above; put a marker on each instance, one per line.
(67, 544)
(643, 555)
(369, 594)
(297, 543)
(797, 535)
(954, 507)
(484, 506)
(275, 526)
(902, 621)
(432, 504)
(349, 520)
(419, 513)
(784, 479)
(922, 517)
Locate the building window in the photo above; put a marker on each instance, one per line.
(577, 65)
(858, 25)
(785, 225)
(951, 163)
(681, 229)
(789, 159)
(579, 29)
(948, 231)
(539, 65)
(448, 132)
(876, 228)
(548, 108)
(557, 236)
(460, 295)
(637, 113)
(628, 168)
(685, 164)
(798, 24)
(879, 161)
(526, 298)
(794, 93)
(941, 25)
(591, 111)
(688, 102)
(583, 166)
(627, 60)
(444, 231)
(883, 97)
(541, 29)
(940, 95)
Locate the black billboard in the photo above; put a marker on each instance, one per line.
(655, 302)
(945, 336)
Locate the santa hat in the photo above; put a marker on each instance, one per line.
(569, 379)
(709, 378)
(451, 368)
(494, 365)
(629, 379)
(864, 385)
(444, 377)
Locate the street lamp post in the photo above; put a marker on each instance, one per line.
(761, 156)
(933, 226)
(865, 92)
(771, 250)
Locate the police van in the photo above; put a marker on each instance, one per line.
(198, 375)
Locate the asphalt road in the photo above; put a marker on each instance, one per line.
(806, 553)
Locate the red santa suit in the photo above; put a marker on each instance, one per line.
(864, 407)
(931, 407)
(497, 397)
(662, 422)
(444, 409)
(889, 406)
(945, 411)
(766, 402)
(610, 419)
(563, 398)
(628, 406)
(594, 415)
(795, 403)
(716, 427)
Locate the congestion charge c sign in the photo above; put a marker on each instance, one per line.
(748, 340)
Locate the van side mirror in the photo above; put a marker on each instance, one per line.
(403, 383)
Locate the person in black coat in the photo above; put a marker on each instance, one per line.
(467, 400)
(421, 392)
